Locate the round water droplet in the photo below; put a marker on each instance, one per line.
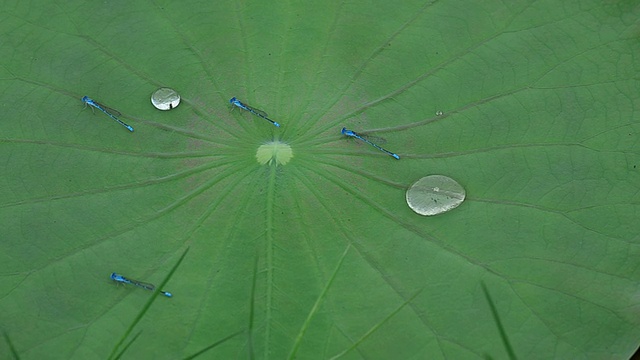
(165, 99)
(435, 194)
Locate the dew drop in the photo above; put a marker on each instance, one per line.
(435, 194)
(165, 99)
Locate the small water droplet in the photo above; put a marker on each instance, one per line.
(438, 113)
(435, 194)
(165, 99)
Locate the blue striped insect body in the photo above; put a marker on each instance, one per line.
(110, 112)
(357, 136)
(121, 279)
(237, 103)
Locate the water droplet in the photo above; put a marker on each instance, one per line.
(435, 194)
(165, 99)
(272, 151)
(438, 113)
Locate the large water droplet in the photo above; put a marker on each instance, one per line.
(435, 194)
(165, 99)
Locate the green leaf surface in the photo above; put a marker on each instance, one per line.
(531, 105)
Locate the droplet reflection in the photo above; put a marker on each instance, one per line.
(435, 194)
(165, 99)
